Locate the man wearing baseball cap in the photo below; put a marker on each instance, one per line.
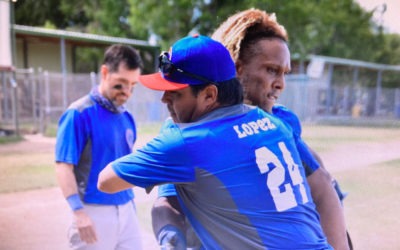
(237, 172)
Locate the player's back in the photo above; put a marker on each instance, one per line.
(250, 189)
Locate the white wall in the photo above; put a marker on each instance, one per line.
(5, 39)
(44, 55)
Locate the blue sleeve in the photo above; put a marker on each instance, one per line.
(309, 162)
(133, 127)
(289, 117)
(71, 137)
(162, 160)
(166, 190)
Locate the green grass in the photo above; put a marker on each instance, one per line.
(149, 128)
(25, 171)
(325, 138)
(51, 130)
(372, 206)
(30, 170)
(10, 139)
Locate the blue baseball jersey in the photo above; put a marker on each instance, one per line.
(238, 177)
(310, 164)
(89, 137)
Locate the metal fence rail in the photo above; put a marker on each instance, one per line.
(33, 100)
(311, 101)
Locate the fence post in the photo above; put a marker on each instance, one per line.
(329, 90)
(397, 103)
(47, 97)
(31, 77)
(39, 80)
(64, 73)
(93, 79)
(4, 106)
(378, 93)
(14, 86)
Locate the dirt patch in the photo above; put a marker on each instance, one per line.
(39, 219)
(359, 155)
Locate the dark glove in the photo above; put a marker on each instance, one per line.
(171, 238)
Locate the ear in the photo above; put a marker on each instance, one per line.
(239, 68)
(103, 71)
(210, 94)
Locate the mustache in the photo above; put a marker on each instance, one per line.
(121, 87)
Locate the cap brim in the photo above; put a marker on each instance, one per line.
(157, 82)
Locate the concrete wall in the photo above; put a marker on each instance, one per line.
(43, 55)
(5, 39)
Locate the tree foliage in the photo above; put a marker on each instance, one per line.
(332, 28)
(338, 28)
(390, 54)
(106, 17)
(37, 12)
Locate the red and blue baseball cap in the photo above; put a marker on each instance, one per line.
(192, 60)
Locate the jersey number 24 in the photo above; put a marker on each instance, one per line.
(284, 199)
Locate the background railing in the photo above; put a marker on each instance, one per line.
(34, 100)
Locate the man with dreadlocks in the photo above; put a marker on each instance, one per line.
(258, 46)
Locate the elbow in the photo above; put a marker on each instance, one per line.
(103, 188)
(109, 182)
(104, 183)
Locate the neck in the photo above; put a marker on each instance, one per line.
(100, 89)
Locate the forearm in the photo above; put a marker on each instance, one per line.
(169, 223)
(167, 211)
(67, 182)
(66, 179)
(329, 208)
(333, 224)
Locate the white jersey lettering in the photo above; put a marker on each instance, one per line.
(253, 127)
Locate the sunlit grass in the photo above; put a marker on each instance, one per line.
(372, 206)
(10, 139)
(25, 171)
(325, 138)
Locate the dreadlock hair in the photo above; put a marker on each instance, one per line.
(240, 31)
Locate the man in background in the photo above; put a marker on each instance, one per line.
(92, 132)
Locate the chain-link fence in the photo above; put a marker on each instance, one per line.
(33, 100)
(312, 101)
